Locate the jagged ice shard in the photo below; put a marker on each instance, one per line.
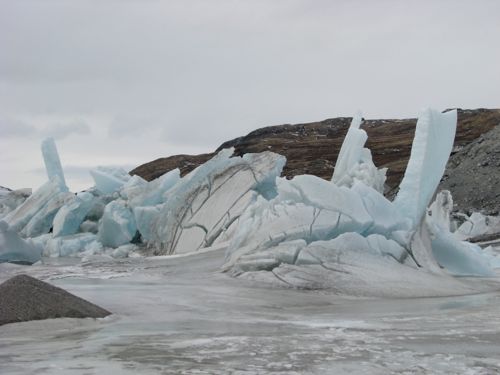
(52, 162)
(430, 151)
(305, 232)
(319, 234)
(355, 163)
(201, 209)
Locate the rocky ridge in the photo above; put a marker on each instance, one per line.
(312, 148)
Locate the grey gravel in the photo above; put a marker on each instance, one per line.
(473, 175)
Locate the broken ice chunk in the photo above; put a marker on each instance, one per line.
(459, 257)
(430, 151)
(15, 249)
(109, 179)
(42, 221)
(134, 186)
(440, 210)
(117, 225)
(11, 199)
(22, 215)
(68, 219)
(52, 162)
(145, 218)
(204, 203)
(72, 245)
(355, 163)
(153, 192)
(478, 225)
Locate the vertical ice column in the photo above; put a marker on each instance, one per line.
(430, 151)
(350, 152)
(52, 162)
(355, 163)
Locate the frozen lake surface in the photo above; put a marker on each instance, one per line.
(180, 315)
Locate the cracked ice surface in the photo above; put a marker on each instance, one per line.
(351, 234)
(202, 206)
(305, 232)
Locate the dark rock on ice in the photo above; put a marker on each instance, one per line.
(24, 298)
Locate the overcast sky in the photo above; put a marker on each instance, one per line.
(126, 82)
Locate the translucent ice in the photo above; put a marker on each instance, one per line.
(109, 179)
(145, 217)
(153, 192)
(42, 221)
(11, 199)
(430, 151)
(478, 224)
(34, 209)
(354, 223)
(52, 162)
(355, 163)
(15, 249)
(117, 225)
(73, 245)
(69, 217)
(459, 258)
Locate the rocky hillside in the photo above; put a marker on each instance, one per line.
(312, 148)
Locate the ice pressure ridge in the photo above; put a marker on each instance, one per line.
(302, 232)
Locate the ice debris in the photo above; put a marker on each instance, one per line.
(70, 216)
(303, 232)
(313, 222)
(478, 225)
(206, 203)
(355, 163)
(117, 226)
(11, 199)
(15, 249)
(108, 179)
(52, 162)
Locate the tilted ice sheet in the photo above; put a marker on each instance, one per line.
(33, 212)
(458, 257)
(202, 205)
(153, 192)
(52, 162)
(109, 179)
(385, 237)
(354, 162)
(70, 216)
(15, 249)
(477, 225)
(430, 151)
(11, 199)
(117, 225)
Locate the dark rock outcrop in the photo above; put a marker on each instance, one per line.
(24, 298)
(313, 148)
(473, 174)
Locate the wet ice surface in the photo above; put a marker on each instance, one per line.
(181, 316)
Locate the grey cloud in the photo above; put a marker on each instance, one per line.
(15, 128)
(133, 125)
(61, 131)
(163, 77)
